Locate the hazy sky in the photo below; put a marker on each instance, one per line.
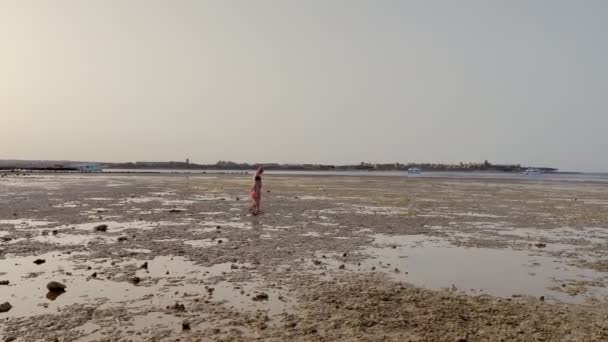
(320, 81)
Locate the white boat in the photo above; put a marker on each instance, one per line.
(533, 172)
(414, 171)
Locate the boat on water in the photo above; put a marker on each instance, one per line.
(533, 172)
(414, 171)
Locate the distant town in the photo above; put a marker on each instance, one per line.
(228, 165)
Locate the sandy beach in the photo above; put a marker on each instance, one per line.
(162, 257)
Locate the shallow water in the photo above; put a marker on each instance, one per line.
(434, 263)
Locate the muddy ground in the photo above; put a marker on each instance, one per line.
(331, 259)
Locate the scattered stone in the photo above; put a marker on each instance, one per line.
(101, 228)
(396, 270)
(218, 227)
(344, 255)
(185, 325)
(260, 297)
(5, 307)
(55, 232)
(39, 261)
(234, 267)
(55, 287)
(219, 241)
(122, 239)
(541, 298)
(178, 307)
(144, 265)
(317, 262)
(540, 245)
(4, 282)
(167, 272)
(135, 280)
(7, 239)
(94, 275)
(45, 233)
(10, 339)
(342, 267)
(175, 211)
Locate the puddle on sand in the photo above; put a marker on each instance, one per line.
(25, 223)
(73, 204)
(434, 263)
(206, 242)
(164, 278)
(228, 224)
(72, 239)
(242, 296)
(581, 236)
(114, 226)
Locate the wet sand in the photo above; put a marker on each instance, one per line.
(333, 258)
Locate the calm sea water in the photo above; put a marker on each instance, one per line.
(572, 177)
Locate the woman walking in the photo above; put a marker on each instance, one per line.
(256, 193)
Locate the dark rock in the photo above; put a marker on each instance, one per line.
(234, 267)
(39, 261)
(540, 245)
(178, 307)
(344, 255)
(101, 228)
(122, 239)
(317, 262)
(10, 339)
(342, 267)
(218, 227)
(219, 241)
(5, 307)
(135, 280)
(94, 275)
(52, 295)
(185, 325)
(260, 297)
(55, 232)
(542, 298)
(7, 239)
(144, 265)
(4, 282)
(55, 287)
